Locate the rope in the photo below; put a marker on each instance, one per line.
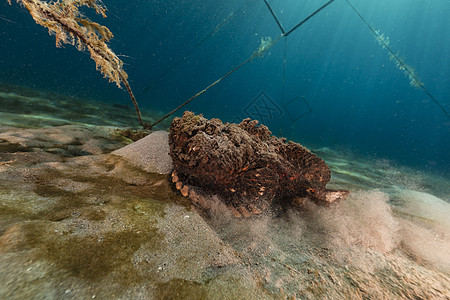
(201, 92)
(308, 17)
(408, 70)
(274, 16)
(284, 70)
(262, 49)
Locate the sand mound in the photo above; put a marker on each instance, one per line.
(150, 153)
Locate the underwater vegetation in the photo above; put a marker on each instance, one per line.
(409, 71)
(64, 20)
(266, 44)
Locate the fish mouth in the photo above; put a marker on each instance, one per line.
(336, 195)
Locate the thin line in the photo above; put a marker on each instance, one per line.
(274, 16)
(308, 17)
(284, 71)
(255, 54)
(402, 63)
(201, 92)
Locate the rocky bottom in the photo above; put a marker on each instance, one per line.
(77, 222)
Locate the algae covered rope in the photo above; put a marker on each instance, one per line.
(285, 34)
(266, 44)
(414, 80)
(199, 93)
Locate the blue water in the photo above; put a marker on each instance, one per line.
(354, 96)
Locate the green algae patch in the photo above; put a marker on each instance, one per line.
(6, 147)
(79, 189)
(10, 212)
(18, 202)
(107, 174)
(44, 190)
(92, 256)
(95, 240)
(96, 215)
(84, 226)
(180, 289)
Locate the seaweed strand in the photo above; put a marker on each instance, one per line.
(401, 65)
(63, 20)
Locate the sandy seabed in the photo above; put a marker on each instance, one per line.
(78, 222)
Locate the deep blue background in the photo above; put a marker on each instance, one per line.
(358, 99)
